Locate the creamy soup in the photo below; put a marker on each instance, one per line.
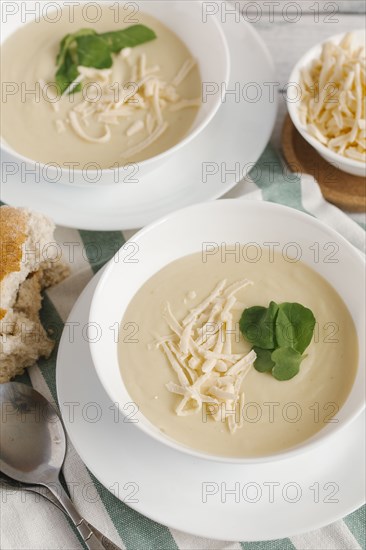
(276, 415)
(156, 115)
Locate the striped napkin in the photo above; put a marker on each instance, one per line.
(31, 523)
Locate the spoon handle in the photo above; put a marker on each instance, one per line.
(47, 495)
(93, 538)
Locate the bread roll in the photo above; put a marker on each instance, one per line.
(24, 272)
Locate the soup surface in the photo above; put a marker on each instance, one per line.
(277, 414)
(37, 125)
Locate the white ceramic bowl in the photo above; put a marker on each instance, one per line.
(351, 166)
(230, 221)
(207, 43)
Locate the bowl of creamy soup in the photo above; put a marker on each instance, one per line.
(108, 88)
(234, 330)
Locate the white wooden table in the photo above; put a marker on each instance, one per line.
(313, 21)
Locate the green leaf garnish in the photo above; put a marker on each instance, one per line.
(128, 38)
(287, 363)
(67, 73)
(68, 45)
(294, 326)
(280, 333)
(93, 51)
(263, 362)
(257, 325)
(89, 49)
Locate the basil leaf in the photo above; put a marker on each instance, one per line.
(89, 49)
(63, 49)
(93, 51)
(68, 42)
(128, 38)
(294, 326)
(66, 74)
(287, 363)
(263, 362)
(67, 60)
(257, 324)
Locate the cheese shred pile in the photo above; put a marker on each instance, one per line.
(199, 351)
(333, 98)
(136, 94)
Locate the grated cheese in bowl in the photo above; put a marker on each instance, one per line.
(208, 373)
(332, 102)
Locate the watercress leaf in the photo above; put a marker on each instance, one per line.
(294, 326)
(66, 74)
(257, 324)
(287, 363)
(93, 51)
(128, 38)
(263, 362)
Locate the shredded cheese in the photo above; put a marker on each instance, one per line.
(113, 100)
(73, 85)
(148, 141)
(149, 123)
(135, 128)
(332, 106)
(193, 314)
(125, 52)
(74, 121)
(156, 104)
(209, 374)
(142, 65)
(183, 72)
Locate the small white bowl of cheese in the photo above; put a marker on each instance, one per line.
(326, 100)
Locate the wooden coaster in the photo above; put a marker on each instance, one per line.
(344, 190)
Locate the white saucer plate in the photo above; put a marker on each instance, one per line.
(204, 169)
(208, 499)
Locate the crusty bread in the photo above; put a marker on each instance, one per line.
(24, 273)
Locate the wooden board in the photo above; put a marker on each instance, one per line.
(344, 190)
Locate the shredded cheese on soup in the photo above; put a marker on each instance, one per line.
(140, 93)
(199, 352)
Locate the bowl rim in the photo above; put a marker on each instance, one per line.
(304, 446)
(292, 106)
(192, 134)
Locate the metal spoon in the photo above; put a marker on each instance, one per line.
(33, 448)
(11, 485)
(7, 483)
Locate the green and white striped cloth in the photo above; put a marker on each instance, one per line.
(30, 523)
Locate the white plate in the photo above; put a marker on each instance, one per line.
(234, 140)
(328, 481)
